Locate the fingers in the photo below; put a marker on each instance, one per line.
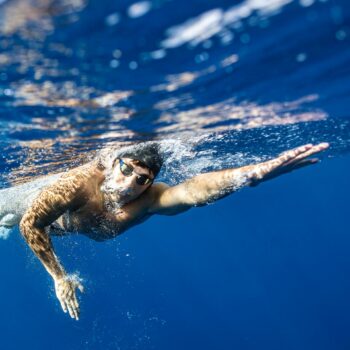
(73, 307)
(63, 305)
(81, 288)
(302, 152)
(66, 295)
(71, 310)
(304, 163)
(76, 307)
(287, 155)
(315, 149)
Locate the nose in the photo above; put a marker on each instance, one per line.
(130, 180)
(127, 180)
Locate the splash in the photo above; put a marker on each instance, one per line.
(14, 202)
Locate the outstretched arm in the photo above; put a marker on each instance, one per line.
(208, 187)
(50, 205)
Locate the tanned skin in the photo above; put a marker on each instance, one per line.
(77, 195)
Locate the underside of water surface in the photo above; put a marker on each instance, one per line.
(245, 77)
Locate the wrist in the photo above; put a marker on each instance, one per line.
(60, 275)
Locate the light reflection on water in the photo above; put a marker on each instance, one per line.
(73, 83)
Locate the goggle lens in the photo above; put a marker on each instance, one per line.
(128, 170)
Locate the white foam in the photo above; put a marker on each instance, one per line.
(193, 28)
(212, 22)
(8, 220)
(14, 201)
(4, 232)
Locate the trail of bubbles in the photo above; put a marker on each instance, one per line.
(189, 155)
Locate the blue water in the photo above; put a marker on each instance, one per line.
(222, 84)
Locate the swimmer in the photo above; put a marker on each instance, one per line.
(107, 196)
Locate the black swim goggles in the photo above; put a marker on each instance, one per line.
(128, 170)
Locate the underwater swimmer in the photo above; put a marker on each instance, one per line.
(106, 197)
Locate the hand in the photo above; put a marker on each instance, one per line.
(287, 162)
(65, 291)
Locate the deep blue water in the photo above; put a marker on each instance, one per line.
(222, 83)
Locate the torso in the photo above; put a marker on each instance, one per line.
(95, 221)
(89, 220)
(92, 219)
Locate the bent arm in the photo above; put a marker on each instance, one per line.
(48, 207)
(41, 245)
(66, 194)
(205, 188)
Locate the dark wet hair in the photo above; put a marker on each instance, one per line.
(147, 153)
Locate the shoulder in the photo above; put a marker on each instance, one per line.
(159, 187)
(142, 204)
(86, 171)
(156, 190)
(80, 177)
(73, 186)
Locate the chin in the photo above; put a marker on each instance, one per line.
(129, 197)
(125, 196)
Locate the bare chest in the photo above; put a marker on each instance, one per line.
(93, 221)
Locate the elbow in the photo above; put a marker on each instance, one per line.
(195, 201)
(25, 225)
(199, 198)
(191, 196)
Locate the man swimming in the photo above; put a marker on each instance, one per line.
(107, 196)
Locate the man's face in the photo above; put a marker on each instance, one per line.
(129, 177)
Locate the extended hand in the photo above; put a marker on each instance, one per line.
(65, 291)
(287, 162)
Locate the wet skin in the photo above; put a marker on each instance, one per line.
(76, 204)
